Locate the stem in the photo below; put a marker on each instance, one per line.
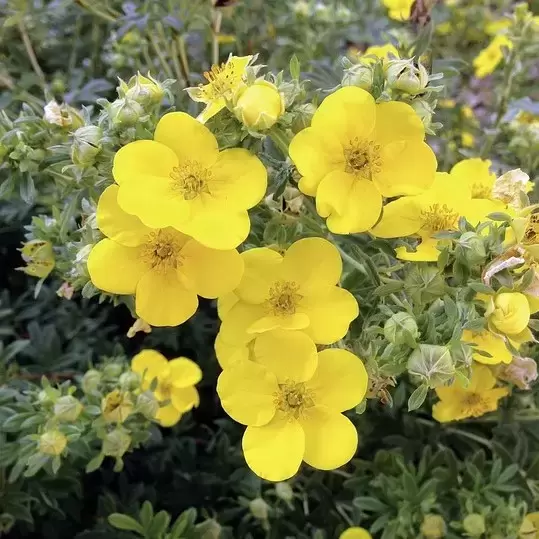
(95, 11)
(30, 51)
(184, 61)
(280, 139)
(216, 29)
(160, 55)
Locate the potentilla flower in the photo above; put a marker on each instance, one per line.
(175, 382)
(436, 210)
(475, 176)
(181, 180)
(489, 58)
(293, 411)
(164, 268)
(223, 82)
(356, 152)
(486, 341)
(297, 291)
(355, 533)
(383, 52)
(399, 10)
(39, 258)
(458, 401)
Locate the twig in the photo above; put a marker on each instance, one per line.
(159, 52)
(30, 51)
(216, 29)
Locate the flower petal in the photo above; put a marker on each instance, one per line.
(330, 438)
(490, 343)
(211, 109)
(340, 381)
(149, 364)
(212, 273)
(187, 138)
(408, 168)
(225, 303)
(426, 251)
(312, 263)
(115, 268)
(143, 158)
(290, 355)
(397, 121)
(184, 372)
(482, 378)
(163, 300)
(246, 390)
(184, 398)
(238, 320)
(227, 354)
(274, 451)
(115, 223)
(269, 322)
(238, 178)
(400, 218)
(168, 415)
(330, 314)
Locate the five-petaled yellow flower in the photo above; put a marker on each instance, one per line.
(175, 383)
(355, 533)
(164, 268)
(297, 291)
(223, 82)
(474, 400)
(434, 211)
(293, 412)
(399, 10)
(181, 180)
(356, 152)
(492, 344)
(488, 59)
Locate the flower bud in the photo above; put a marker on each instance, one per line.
(473, 247)
(48, 396)
(116, 406)
(520, 372)
(284, 491)
(91, 380)
(360, 75)
(509, 312)
(62, 115)
(112, 370)
(129, 381)
(116, 443)
(303, 116)
(144, 90)
(432, 364)
(401, 328)
(67, 408)
(3, 152)
(259, 508)
(404, 76)
(86, 145)
(259, 105)
(433, 527)
(125, 112)
(147, 405)
(474, 525)
(52, 442)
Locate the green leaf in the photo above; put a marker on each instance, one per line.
(368, 503)
(183, 523)
(417, 398)
(295, 67)
(125, 522)
(389, 288)
(27, 189)
(146, 515)
(159, 525)
(95, 463)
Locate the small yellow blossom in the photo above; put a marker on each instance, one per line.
(467, 139)
(116, 406)
(489, 342)
(383, 52)
(436, 210)
(164, 268)
(181, 180)
(467, 112)
(52, 442)
(488, 59)
(508, 314)
(291, 414)
(297, 291)
(530, 527)
(474, 400)
(399, 10)
(355, 533)
(493, 28)
(447, 103)
(39, 258)
(350, 166)
(259, 105)
(175, 383)
(223, 82)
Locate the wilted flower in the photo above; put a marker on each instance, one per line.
(520, 372)
(116, 406)
(509, 187)
(39, 258)
(62, 115)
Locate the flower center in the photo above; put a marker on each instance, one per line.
(283, 298)
(480, 190)
(438, 217)
(162, 250)
(190, 179)
(222, 80)
(531, 233)
(362, 158)
(475, 404)
(293, 398)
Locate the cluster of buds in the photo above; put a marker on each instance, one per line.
(322, 12)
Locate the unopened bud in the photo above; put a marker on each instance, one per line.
(259, 508)
(86, 145)
(112, 370)
(431, 364)
(144, 90)
(125, 112)
(129, 380)
(116, 443)
(433, 527)
(284, 491)
(91, 380)
(52, 443)
(259, 105)
(147, 404)
(401, 328)
(360, 75)
(404, 76)
(474, 525)
(67, 408)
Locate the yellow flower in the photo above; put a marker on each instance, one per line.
(297, 291)
(488, 59)
(223, 83)
(293, 409)
(436, 210)
(350, 165)
(467, 139)
(355, 533)
(530, 527)
(116, 406)
(259, 105)
(39, 258)
(399, 10)
(447, 103)
(488, 342)
(508, 313)
(493, 28)
(383, 52)
(467, 112)
(474, 175)
(175, 383)
(181, 180)
(479, 397)
(52, 442)
(164, 268)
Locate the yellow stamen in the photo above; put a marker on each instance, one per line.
(162, 251)
(480, 190)
(475, 405)
(362, 158)
(438, 217)
(283, 298)
(293, 398)
(222, 80)
(191, 179)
